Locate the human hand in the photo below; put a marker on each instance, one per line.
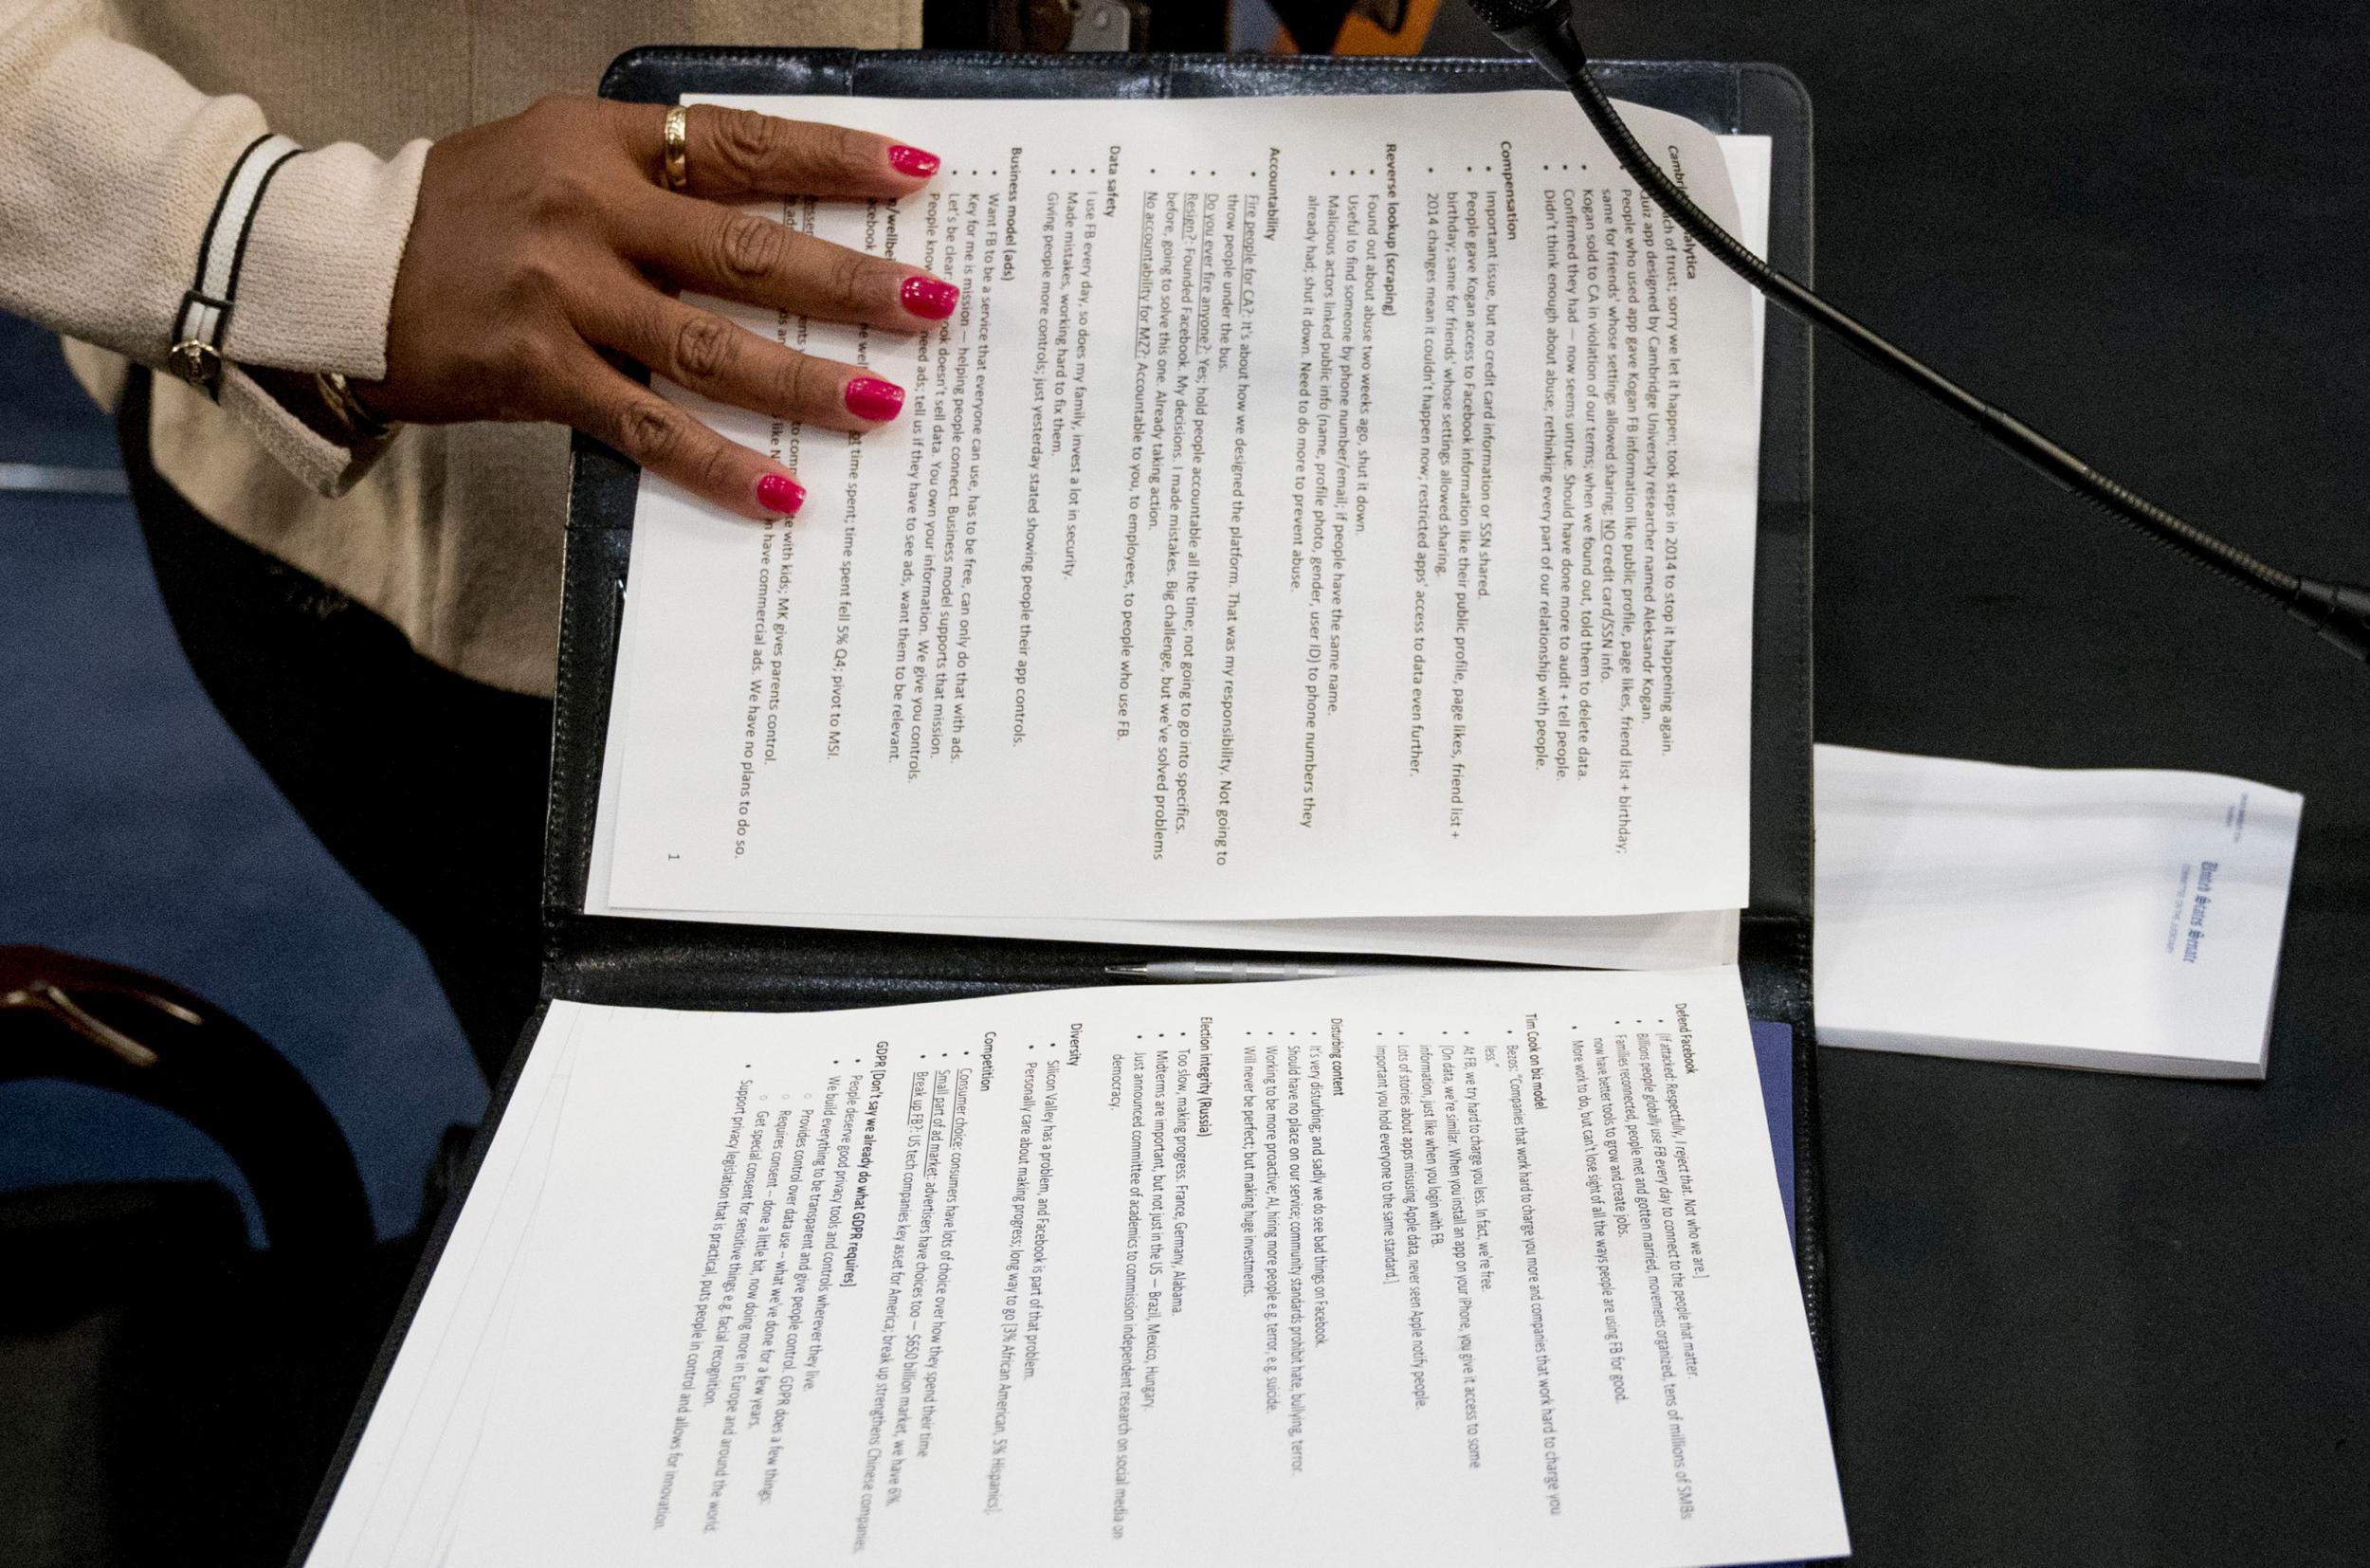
(544, 244)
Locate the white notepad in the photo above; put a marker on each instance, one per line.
(1401, 1271)
(2122, 919)
(1328, 524)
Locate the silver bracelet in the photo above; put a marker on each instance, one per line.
(341, 401)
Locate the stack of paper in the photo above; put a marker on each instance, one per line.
(2126, 920)
(1327, 524)
(1409, 1271)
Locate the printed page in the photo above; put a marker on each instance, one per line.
(2124, 919)
(1681, 940)
(1404, 1270)
(1318, 508)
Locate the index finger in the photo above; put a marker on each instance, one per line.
(730, 152)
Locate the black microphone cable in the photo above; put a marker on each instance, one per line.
(1543, 29)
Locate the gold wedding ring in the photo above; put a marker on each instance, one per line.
(677, 161)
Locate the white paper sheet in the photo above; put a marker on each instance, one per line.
(1682, 940)
(1140, 767)
(1303, 1272)
(2121, 919)
(413, 1461)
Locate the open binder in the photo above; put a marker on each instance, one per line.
(700, 965)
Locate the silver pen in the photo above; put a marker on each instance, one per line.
(1202, 971)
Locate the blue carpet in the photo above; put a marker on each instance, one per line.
(135, 827)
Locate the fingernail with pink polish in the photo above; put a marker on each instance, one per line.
(913, 161)
(870, 398)
(781, 493)
(929, 297)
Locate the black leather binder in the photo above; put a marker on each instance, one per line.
(702, 965)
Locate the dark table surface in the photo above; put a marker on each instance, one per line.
(2081, 1318)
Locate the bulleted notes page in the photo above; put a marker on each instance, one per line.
(1330, 508)
(1414, 1270)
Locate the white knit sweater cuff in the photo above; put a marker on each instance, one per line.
(318, 276)
(328, 467)
(314, 286)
